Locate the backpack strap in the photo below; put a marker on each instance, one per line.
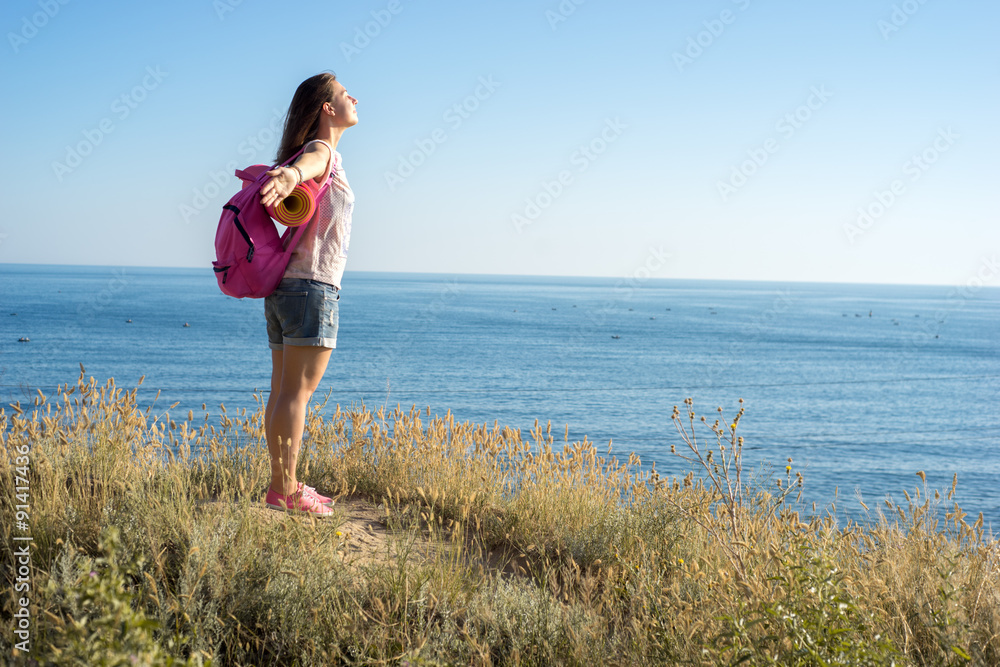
(331, 167)
(256, 181)
(240, 228)
(297, 232)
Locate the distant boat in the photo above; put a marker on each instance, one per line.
(23, 339)
(128, 321)
(186, 324)
(616, 336)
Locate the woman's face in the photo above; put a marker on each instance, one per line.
(344, 107)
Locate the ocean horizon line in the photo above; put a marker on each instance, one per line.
(600, 280)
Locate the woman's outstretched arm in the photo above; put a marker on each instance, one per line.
(313, 163)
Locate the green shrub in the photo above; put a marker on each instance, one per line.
(96, 623)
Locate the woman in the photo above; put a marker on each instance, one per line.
(302, 312)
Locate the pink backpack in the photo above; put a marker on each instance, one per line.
(250, 256)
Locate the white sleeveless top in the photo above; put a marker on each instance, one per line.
(321, 253)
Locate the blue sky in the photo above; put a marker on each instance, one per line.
(726, 139)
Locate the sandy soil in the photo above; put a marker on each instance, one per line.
(370, 540)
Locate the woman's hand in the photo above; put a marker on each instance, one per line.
(283, 181)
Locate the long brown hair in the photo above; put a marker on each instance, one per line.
(302, 120)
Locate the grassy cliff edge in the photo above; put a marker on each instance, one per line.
(149, 545)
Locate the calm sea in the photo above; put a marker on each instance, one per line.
(861, 385)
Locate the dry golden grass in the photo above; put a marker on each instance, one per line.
(458, 543)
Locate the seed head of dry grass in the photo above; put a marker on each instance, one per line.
(495, 547)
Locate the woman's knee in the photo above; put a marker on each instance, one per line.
(293, 397)
(303, 368)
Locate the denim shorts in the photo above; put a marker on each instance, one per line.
(302, 312)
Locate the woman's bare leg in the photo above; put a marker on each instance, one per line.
(296, 371)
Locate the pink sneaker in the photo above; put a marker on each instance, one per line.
(300, 502)
(323, 500)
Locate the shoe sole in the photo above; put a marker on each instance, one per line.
(297, 511)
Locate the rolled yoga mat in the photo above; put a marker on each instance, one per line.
(295, 209)
(298, 207)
